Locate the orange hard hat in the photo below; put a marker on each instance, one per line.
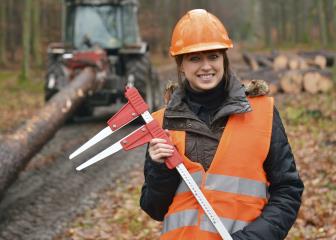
(199, 30)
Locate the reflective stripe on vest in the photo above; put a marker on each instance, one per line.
(230, 224)
(188, 218)
(230, 184)
(237, 185)
(197, 176)
(180, 219)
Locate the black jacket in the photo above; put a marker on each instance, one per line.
(285, 188)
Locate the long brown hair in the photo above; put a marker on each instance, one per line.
(226, 65)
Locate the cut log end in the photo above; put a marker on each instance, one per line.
(291, 82)
(280, 62)
(314, 82)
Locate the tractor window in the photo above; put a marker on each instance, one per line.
(131, 31)
(97, 25)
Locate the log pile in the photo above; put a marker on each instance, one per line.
(291, 73)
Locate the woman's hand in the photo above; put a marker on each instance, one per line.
(158, 149)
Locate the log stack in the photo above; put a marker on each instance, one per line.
(291, 72)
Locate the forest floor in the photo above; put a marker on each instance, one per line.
(18, 100)
(310, 124)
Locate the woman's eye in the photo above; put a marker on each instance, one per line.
(194, 58)
(213, 56)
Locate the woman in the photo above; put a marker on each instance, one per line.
(234, 146)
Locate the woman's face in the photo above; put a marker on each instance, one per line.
(203, 70)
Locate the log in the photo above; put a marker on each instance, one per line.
(273, 89)
(320, 61)
(280, 62)
(291, 82)
(311, 82)
(328, 55)
(317, 81)
(269, 75)
(17, 148)
(250, 61)
(264, 61)
(296, 63)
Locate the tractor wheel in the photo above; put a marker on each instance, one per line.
(84, 110)
(145, 79)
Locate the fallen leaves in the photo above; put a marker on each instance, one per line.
(117, 215)
(310, 125)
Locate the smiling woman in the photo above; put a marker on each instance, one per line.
(234, 146)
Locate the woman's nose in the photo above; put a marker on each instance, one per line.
(206, 65)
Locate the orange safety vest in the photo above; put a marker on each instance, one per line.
(235, 183)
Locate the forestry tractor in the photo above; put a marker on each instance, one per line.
(103, 34)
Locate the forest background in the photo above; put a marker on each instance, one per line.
(27, 27)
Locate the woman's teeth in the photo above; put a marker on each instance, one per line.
(206, 76)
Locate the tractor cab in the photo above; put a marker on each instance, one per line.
(109, 24)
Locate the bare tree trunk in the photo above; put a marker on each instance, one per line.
(296, 20)
(26, 41)
(10, 34)
(267, 22)
(330, 11)
(36, 39)
(18, 148)
(304, 22)
(322, 22)
(283, 21)
(3, 33)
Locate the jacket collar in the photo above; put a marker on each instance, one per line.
(235, 102)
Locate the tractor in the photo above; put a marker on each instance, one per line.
(104, 34)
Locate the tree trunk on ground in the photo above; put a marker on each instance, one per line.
(18, 148)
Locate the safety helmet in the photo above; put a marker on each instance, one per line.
(198, 30)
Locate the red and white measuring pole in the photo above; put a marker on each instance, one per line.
(134, 108)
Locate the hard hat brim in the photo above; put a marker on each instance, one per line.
(202, 47)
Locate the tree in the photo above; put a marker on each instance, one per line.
(36, 39)
(330, 18)
(26, 41)
(266, 10)
(322, 22)
(3, 32)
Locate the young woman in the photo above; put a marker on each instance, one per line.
(234, 146)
